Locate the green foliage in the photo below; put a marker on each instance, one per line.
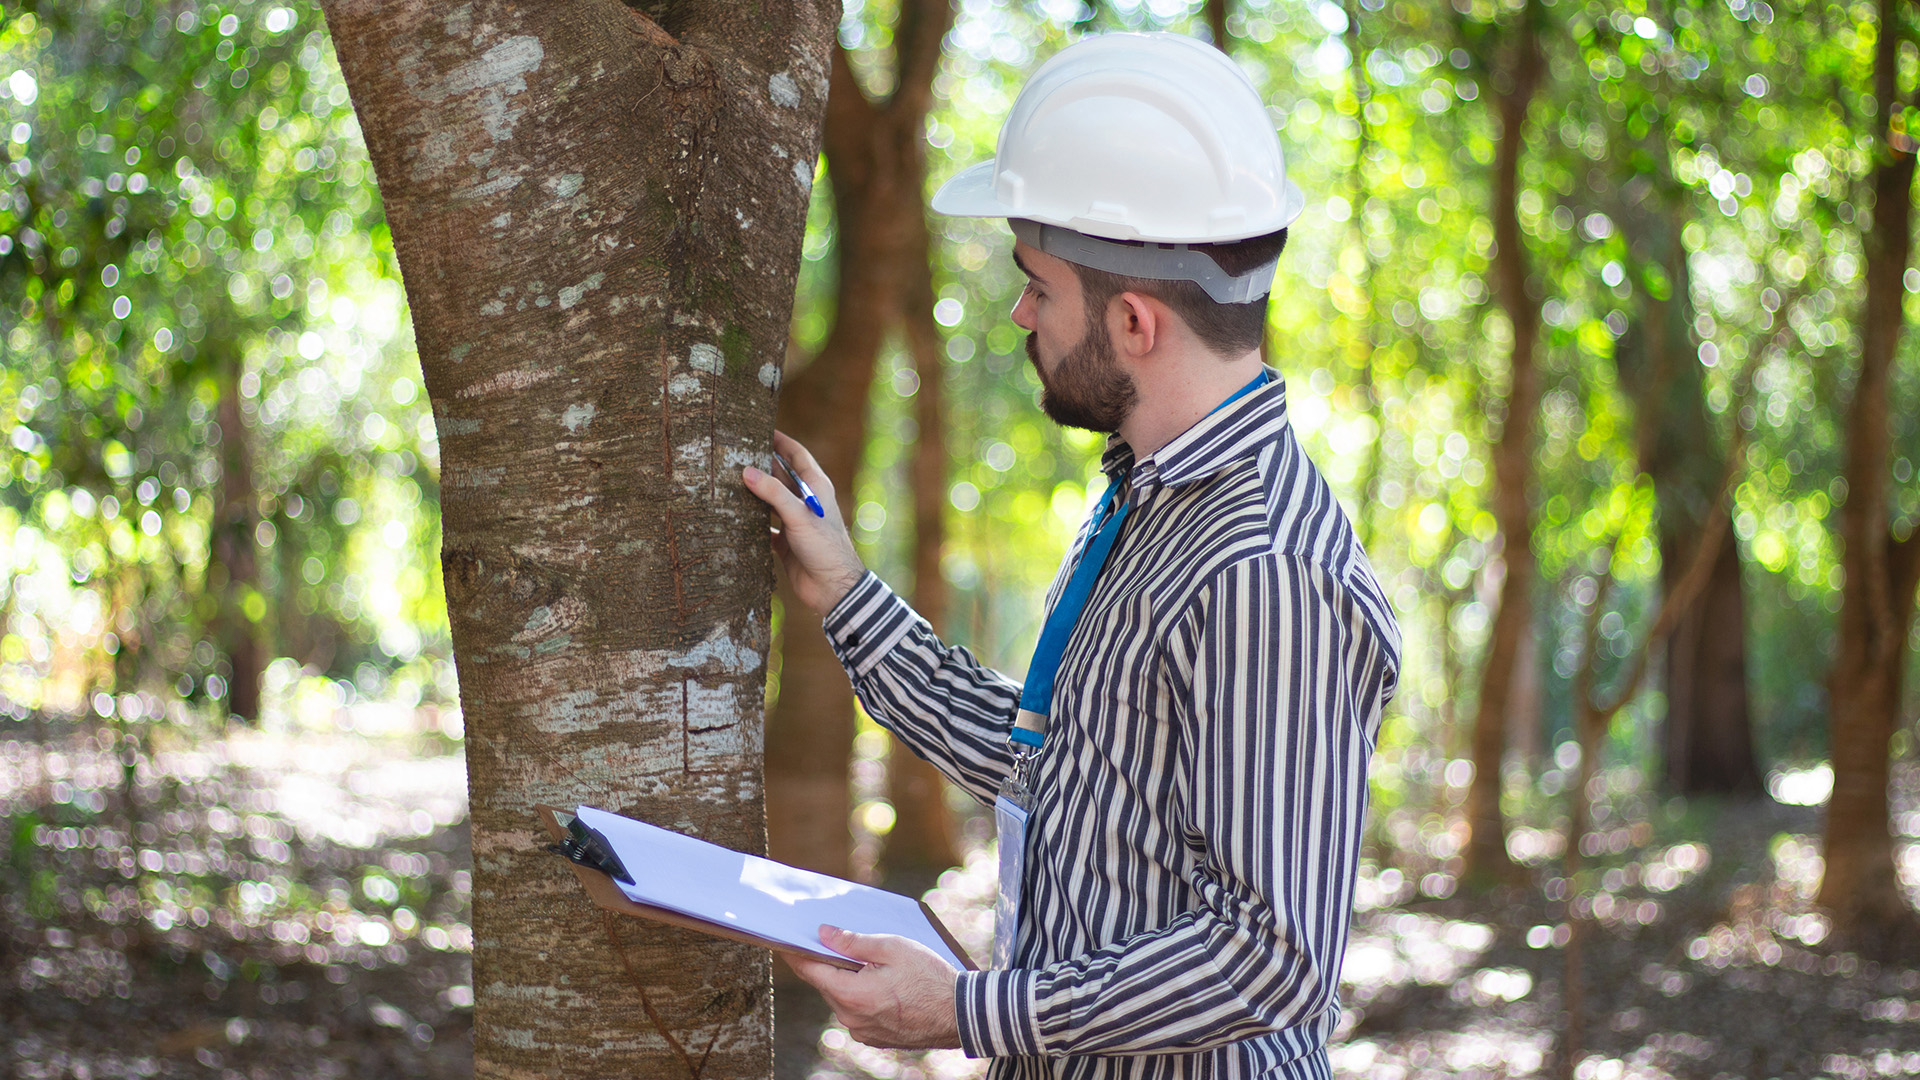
(203, 331)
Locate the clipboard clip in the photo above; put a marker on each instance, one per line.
(590, 849)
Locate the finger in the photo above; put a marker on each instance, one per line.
(801, 459)
(819, 974)
(775, 493)
(866, 948)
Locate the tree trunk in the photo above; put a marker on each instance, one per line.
(599, 217)
(1860, 885)
(1514, 80)
(876, 164)
(1217, 23)
(235, 553)
(1708, 734)
(1592, 718)
(922, 844)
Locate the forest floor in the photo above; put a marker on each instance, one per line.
(287, 904)
(1706, 960)
(294, 904)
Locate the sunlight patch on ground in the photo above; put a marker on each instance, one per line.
(354, 791)
(1410, 948)
(1482, 1049)
(1596, 1067)
(1378, 888)
(1801, 787)
(1797, 863)
(1884, 1063)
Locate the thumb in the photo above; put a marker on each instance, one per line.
(866, 948)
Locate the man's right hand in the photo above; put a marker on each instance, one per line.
(816, 551)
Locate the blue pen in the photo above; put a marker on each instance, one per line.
(805, 491)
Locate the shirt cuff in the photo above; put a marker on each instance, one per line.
(996, 1014)
(866, 623)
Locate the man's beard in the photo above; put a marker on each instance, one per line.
(1086, 389)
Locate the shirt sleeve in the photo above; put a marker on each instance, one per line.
(937, 698)
(1277, 681)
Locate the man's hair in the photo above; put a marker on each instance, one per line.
(1231, 330)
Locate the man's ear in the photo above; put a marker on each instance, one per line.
(1137, 323)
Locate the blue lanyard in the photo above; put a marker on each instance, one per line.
(1036, 698)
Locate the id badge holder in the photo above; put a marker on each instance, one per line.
(1011, 809)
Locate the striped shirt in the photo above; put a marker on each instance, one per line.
(1198, 806)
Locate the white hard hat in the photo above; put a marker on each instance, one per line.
(1155, 137)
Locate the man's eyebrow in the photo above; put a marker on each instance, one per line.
(1027, 270)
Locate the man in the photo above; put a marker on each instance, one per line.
(1184, 771)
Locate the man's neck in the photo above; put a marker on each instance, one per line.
(1176, 396)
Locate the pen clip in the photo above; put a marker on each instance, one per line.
(590, 849)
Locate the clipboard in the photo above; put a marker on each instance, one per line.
(606, 894)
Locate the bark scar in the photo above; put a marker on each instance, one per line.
(694, 1071)
(677, 567)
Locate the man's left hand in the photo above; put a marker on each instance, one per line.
(902, 999)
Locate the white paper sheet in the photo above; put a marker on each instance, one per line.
(755, 895)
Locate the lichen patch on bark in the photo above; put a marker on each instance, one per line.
(783, 91)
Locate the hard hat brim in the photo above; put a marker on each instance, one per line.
(1293, 202)
(970, 193)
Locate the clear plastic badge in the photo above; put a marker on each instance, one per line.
(1010, 812)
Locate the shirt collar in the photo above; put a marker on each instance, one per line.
(1216, 441)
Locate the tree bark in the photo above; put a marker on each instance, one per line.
(1515, 79)
(1860, 885)
(598, 217)
(235, 552)
(876, 164)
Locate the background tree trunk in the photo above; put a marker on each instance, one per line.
(599, 220)
(1217, 23)
(235, 552)
(922, 842)
(1707, 739)
(876, 164)
(1860, 885)
(1515, 68)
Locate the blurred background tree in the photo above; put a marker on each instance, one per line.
(219, 433)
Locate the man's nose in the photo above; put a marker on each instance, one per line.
(1022, 313)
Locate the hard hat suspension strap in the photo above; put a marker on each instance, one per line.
(1156, 262)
